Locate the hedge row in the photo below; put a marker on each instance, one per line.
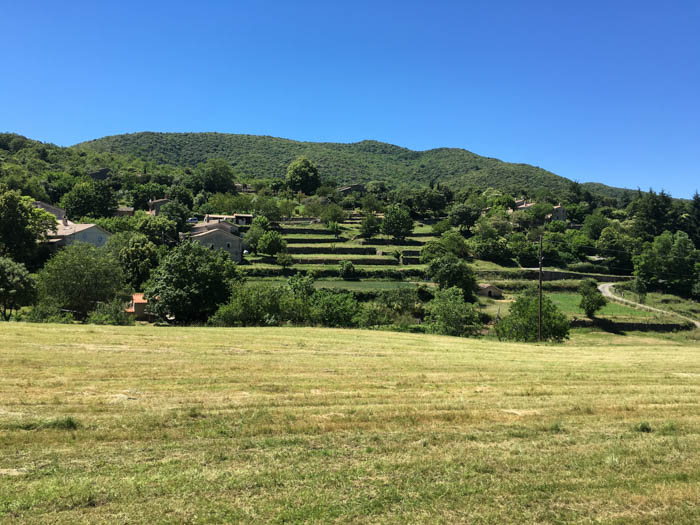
(346, 250)
(395, 274)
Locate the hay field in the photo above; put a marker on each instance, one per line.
(285, 425)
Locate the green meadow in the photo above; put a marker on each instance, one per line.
(289, 425)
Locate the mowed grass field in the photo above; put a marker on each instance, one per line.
(282, 425)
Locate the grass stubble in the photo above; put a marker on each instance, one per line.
(145, 424)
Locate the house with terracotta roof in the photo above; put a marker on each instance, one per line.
(137, 307)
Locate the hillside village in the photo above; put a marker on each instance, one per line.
(369, 255)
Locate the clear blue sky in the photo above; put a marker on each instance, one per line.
(604, 91)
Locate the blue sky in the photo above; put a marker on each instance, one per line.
(594, 91)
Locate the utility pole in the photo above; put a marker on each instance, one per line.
(539, 318)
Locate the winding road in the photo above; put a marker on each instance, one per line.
(606, 290)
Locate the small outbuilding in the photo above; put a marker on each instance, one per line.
(137, 307)
(489, 290)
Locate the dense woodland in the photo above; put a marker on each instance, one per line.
(256, 157)
(469, 201)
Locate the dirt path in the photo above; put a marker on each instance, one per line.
(606, 290)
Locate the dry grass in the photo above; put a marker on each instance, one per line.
(146, 424)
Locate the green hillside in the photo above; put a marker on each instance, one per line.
(262, 156)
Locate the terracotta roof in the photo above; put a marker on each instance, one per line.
(138, 298)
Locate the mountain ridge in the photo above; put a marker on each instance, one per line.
(265, 156)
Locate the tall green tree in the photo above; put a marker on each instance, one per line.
(21, 226)
(449, 271)
(190, 283)
(78, 277)
(137, 259)
(17, 287)
(94, 199)
(302, 175)
(397, 222)
(214, 176)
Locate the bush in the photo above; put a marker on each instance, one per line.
(346, 270)
(400, 300)
(249, 305)
(522, 322)
(332, 213)
(45, 312)
(271, 243)
(441, 227)
(333, 309)
(449, 314)
(284, 259)
(112, 313)
(372, 315)
(369, 226)
(449, 271)
(592, 299)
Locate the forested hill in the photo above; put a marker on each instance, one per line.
(263, 157)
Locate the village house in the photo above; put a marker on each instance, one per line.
(67, 232)
(212, 223)
(218, 239)
(489, 290)
(243, 219)
(137, 307)
(124, 211)
(353, 188)
(154, 206)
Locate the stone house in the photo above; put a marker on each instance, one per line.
(137, 307)
(154, 206)
(67, 232)
(219, 239)
(489, 290)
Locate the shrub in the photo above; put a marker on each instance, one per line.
(333, 309)
(400, 300)
(592, 299)
(332, 213)
(284, 259)
(449, 314)
(249, 305)
(369, 226)
(372, 315)
(346, 270)
(441, 227)
(334, 228)
(522, 322)
(448, 271)
(46, 312)
(112, 313)
(643, 426)
(271, 243)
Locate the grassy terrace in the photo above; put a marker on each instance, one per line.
(145, 424)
